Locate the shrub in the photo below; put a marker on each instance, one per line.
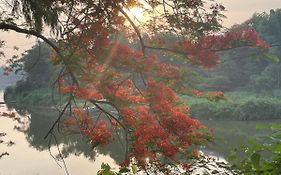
(238, 108)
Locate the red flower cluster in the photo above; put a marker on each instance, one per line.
(87, 93)
(142, 91)
(161, 126)
(213, 96)
(203, 51)
(97, 133)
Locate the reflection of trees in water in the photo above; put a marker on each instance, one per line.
(229, 134)
(40, 122)
(233, 134)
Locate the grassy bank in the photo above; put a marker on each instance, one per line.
(238, 106)
(37, 97)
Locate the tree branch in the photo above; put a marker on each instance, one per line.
(135, 28)
(5, 26)
(58, 119)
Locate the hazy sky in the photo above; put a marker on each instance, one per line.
(241, 10)
(237, 12)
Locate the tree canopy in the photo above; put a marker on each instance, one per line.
(243, 68)
(137, 94)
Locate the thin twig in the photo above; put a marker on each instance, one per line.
(60, 154)
(50, 152)
(58, 119)
(135, 28)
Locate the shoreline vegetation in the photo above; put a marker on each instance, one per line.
(37, 97)
(238, 106)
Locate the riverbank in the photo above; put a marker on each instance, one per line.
(238, 106)
(37, 97)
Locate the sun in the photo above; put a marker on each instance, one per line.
(137, 14)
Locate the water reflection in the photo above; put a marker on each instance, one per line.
(31, 154)
(40, 123)
(233, 134)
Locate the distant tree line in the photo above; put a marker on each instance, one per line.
(38, 75)
(248, 69)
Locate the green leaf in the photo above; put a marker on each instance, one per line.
(255, 158)
(105, 166)
(105, 170)
(251, 141)
(124, 170)
(275, 126)
(277, 148)
(232, 157)
(134, 169)
(261, 126)
(271, 57)
(276, 135)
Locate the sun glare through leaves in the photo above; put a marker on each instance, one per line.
(137, 14)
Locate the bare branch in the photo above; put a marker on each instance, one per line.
(135, 28)
(58, 119)
(5, 26)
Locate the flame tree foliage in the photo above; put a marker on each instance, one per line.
(141, 91)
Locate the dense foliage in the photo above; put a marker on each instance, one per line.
(38, 76)
(243, 69)
(239, 106)
(251, 80)
(7, 80)
(263, 155)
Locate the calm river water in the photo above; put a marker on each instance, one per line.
(30, 154)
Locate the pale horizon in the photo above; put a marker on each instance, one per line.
(238, 11)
